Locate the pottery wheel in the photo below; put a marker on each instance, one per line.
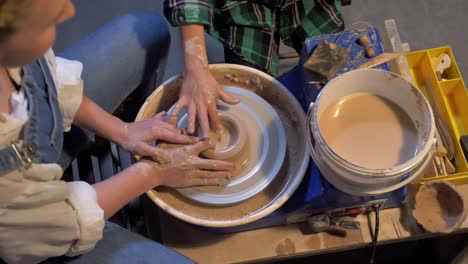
(261, 156)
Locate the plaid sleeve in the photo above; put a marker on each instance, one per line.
(189, 12)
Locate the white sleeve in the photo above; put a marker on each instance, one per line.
(90, 217)
(42, 216)
(67, 76)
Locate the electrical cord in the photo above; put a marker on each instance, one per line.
(375, 236)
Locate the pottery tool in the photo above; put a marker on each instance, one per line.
(445, 136)
(325, 223)
(440, 64)
(439, 166)
(380, 59)
(444, 168)
(366, 43)
(325, 62)
(441, 152)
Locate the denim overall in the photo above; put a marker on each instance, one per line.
(43, 132)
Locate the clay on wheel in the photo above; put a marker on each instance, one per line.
(229, 140)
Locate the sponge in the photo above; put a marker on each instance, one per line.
(325, 62)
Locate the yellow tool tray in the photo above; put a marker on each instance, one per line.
(452, 100)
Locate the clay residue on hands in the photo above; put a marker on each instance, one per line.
(219, 137)
(180, 166)
(223, 140)
(211, 94)
(161, 156)
(174, 154)
(171, 119)
(194, 48)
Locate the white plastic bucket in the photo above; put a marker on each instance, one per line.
(359, 180)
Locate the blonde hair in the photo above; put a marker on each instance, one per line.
(10, 11)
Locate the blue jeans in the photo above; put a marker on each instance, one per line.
(128, 55)
(120, 246)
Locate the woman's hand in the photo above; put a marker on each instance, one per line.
(138, 136)
(173, 165)
(180, 166)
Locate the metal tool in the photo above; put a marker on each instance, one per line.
(326, 223)
(349, 224)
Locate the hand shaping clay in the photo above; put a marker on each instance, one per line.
(229, 140)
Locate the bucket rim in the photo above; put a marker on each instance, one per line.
(372, 172)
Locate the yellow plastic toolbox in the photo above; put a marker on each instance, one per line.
(452, 99)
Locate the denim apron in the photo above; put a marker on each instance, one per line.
(43, 132)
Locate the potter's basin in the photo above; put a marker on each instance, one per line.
(282, 186)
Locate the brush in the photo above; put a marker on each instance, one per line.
(441, 152)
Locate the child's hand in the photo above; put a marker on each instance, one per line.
(199, 93)
(180, 166)
(138, 136)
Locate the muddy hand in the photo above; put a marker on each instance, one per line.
(139, 135)
(199, 93)
(170, 119)
(182, 167)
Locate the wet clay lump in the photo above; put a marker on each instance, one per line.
(369, 131)
(223, 140)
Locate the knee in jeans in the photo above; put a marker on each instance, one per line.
(152, 29)
(159, 31)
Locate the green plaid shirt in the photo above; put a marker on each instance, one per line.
(253, 29)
